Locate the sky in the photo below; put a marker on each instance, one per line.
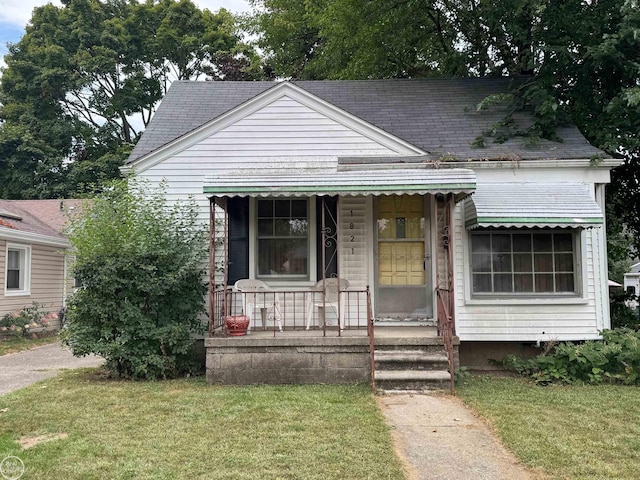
(15, 14)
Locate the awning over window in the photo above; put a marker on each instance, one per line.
(531, 205)
(422, 181)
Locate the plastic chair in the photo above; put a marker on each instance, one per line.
(330, 299)
(258, 295)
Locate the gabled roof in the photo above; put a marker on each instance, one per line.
(436, 115)
(36, 220)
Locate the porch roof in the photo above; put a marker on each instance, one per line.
(459, 181)
(569, 205)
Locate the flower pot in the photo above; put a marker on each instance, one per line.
(237, 325)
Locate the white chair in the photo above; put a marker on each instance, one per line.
(330, 298)
(256, 295)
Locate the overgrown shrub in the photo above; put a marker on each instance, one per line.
(615, 359)
(621, 314)
(140, 266)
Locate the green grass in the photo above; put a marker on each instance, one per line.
(17, 344)
(185, 429)
(569, 432)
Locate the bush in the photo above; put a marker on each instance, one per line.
(621, 314)
(615, 359)
(20, 323)
(140, 266)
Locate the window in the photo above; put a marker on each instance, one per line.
(521, 263)
(17, 274)
(283, 238)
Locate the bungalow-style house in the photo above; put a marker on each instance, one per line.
(379, 226)
(33, 259)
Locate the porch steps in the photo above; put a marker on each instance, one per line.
(411, 369)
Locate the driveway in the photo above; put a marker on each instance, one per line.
(18, 370)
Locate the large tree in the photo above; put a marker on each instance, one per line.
(583, 58)
(84, 80)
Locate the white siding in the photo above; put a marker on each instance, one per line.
(354, 257)
(542, 318)
(282, 136)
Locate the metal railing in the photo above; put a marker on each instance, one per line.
(287, 310)
(446, 329)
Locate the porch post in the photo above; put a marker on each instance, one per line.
(323, 240)
(212, 261)
(450, 283)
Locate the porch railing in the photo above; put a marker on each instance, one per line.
(293, 310)
(446, 329)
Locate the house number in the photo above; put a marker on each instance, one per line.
(352, 238)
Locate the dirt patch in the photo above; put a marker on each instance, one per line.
(28, 442)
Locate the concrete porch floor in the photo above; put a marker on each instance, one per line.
(379, 332)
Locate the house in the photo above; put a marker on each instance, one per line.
(33, 258)
(443, 235)
(632, 285)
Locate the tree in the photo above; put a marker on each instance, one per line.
(582, 59)
(86, 78)
(140, 264)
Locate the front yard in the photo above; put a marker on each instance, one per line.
(185, 429)
(14, 344)
(568, 432)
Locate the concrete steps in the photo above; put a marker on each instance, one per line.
(411, 368)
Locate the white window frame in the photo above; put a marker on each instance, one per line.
(25, 270)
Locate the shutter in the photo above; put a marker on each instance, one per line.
(238, 211)
(331, 248)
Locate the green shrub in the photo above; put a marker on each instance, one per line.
(140, 266)
(614, 359)
(621, 314)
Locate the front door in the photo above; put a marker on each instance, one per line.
(403, 260)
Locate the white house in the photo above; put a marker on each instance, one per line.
(390, 185)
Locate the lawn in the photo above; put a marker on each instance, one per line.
(185, 429)
(17, 344)
(569, 432)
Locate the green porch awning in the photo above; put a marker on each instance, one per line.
(421, 181)
(529, 205)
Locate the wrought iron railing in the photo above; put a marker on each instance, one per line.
(446, 329)
(287, 310)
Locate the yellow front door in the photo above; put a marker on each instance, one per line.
(401, 257)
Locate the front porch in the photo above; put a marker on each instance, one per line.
(389, 357)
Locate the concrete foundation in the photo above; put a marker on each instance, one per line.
(304, 360)
(485, 356)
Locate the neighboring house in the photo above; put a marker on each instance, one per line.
(382, 180)
(632, 285)
(33, 253)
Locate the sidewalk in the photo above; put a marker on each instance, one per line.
(18, 370)
(438, 438)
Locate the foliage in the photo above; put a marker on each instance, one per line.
(140, 264)
(87, 76)
(580, 61)
(20, 322)
(615, 359)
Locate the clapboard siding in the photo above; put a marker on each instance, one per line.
(522, 320)
(47, 280)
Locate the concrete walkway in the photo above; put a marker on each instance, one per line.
(18, 370)
(438, 438)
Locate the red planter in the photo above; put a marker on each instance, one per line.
(237, 325)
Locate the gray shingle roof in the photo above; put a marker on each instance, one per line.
(436, 115)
